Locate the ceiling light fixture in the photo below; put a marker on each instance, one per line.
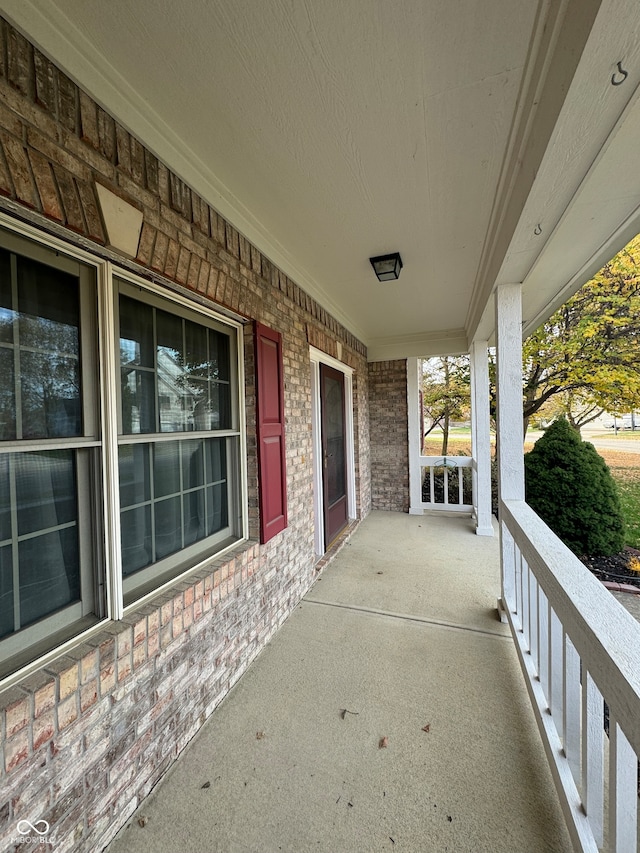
(387, 267)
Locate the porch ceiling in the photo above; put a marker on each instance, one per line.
(331, 131)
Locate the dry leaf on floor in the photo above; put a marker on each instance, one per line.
(206, 785)
(143, 820)
(345, 711)
(384, 742)
(427, 728)
(260, 735)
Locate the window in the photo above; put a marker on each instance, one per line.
(172, 452)
(49, 448)
(178, 446)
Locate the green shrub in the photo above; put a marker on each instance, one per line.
(571, 488)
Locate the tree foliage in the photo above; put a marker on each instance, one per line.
(587, 352)
(446, 393)
(571, 488)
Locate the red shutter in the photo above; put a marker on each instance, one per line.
(272, 474)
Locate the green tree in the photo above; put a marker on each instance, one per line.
(587, 352)
(570, 487)
(446, 393)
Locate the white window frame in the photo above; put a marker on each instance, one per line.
(108, 378)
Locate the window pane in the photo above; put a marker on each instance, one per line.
(173, 390)
(217, 495)
(197, 370)
(133, 465)
(49, 306)
(170, 337)
(168, 518)
(217, 508)
(136, 539)
(219, 344)
(6, 312)
(172, 404)
(220, 406)
(136, 333)
(6, 591)
(7, 396)
(45, 490)
(49, 357)
(138, 401)
(192, 464)
(50, 392)
(216, 460)
(197, 355)
(166, 469)
(49, 573)
(199, 416)
(5, 499)
(220, 390)
(194, 516)
(137, 367)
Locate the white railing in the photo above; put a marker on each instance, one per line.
(445, 479)
(579, 649)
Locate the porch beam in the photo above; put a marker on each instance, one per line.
(481, 437)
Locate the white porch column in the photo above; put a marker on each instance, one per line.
(414, 438)
(508, 305)
(481, 437)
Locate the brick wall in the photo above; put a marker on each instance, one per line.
(388, 428)
(84, 739)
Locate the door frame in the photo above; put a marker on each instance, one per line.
(317, 357)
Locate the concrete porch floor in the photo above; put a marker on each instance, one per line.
(401, 632)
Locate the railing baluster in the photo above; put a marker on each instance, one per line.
(533, 621)
(623, 791)
(518, 583)
(556, 663)
(592, 754)
(526, 610)
(543, 643)
(510, 557)
(571, 721)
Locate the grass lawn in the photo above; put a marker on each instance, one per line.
(625, 468)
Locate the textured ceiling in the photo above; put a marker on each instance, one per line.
(335, 130)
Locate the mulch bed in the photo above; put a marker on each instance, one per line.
(614, 569)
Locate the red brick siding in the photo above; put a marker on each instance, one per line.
(388, 427)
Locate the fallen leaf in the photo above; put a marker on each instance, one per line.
(260, 735)
(206, 785)
(143, 820)
(427, 728)
(345, 711)
(384, 742)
